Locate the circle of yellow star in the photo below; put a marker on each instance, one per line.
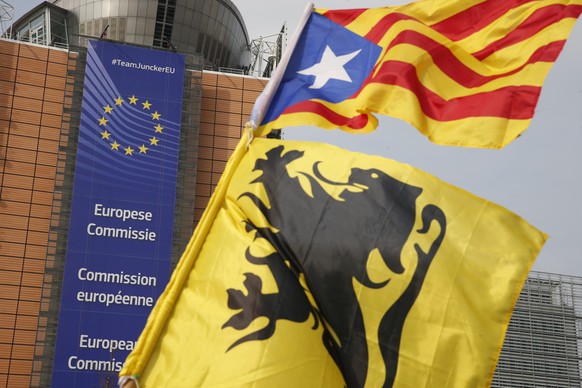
(129, 150)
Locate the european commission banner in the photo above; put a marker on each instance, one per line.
(122, 214)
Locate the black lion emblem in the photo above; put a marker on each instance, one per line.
(328, 241)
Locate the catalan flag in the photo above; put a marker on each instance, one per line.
(466, 73)
(317, 267)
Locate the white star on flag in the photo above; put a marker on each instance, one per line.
(331, 66)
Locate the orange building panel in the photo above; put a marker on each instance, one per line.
(210, 79)
(227, 81)
(7, 74)
(218, 166)
(6, 100)
(24, 337)
(29, 77)
(38, 224)
(44, 184)
(33, 52)
(22, 142)
(10, 278)
(8, 60)
(229, 106)
(232, 95)
(9, 292)
(55, 82)
(24, 129)
(17, 181)
(48, 158)
(15, 380)
(208, 102)
(45, 198)
(9, 235)
(34, 265)
(24, 116)
(15, 222)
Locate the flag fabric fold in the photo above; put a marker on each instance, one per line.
(465, 73)
(318, 267)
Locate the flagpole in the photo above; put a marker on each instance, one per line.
(262, 103)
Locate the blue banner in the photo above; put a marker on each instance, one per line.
(120, 232)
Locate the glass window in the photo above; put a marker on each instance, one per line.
(37, 22)
(204, 25)
(89, 9)
(121, 28)
(132, 8)
(24, 33)
(220, 13)
(131, 26)
(214, 9)
(113, 8)
(192, 39)
(142, 8)
(188, 15)
(123, 7)
(212, 52)
(207, 6)
(207, 45)
(210, 27)
(177, 32)
(140, 27)
(111, 30)
(150, 26)
(196, 19)
(98, 27)
(200, 44)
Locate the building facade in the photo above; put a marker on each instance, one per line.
(214, 29)
(543, 345)
(40, 91)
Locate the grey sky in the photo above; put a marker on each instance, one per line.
(537, 176)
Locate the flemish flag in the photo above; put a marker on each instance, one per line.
(463, 72)
(318, 267)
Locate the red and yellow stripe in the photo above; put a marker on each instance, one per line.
(463, 73)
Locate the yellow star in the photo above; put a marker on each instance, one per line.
(105, 135)
(154, 141)
(158, 128)
(133, 100)
(156, 116)
(103, 121)
(108, 108)
(115, 145)
(146, 105)
(129, 151)
(119, 101)
(142, 149)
